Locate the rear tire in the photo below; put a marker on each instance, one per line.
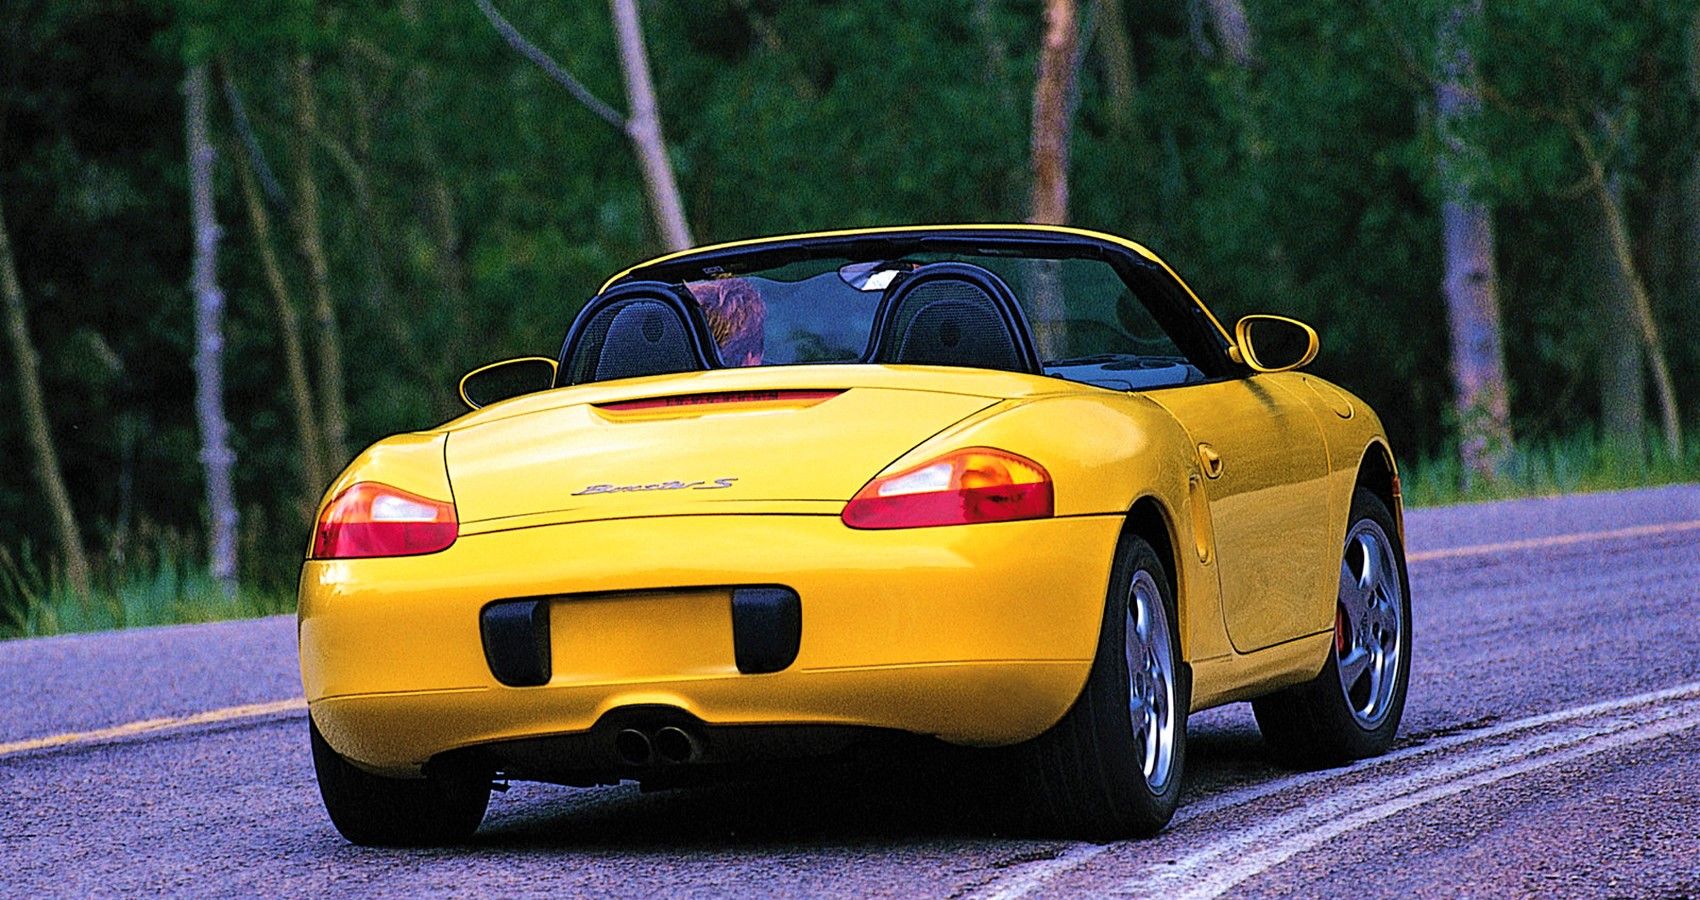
(1112, 767)
(375, 811)
(1336, 718)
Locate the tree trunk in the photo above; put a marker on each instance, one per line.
(1471, 277)
(1623, 396)
(1233, 31)
(1120, 76)
(450, 266)
(1617, 230)
(333, 401)
(643, 127)
(535, 53)
(1053, 125)
(313, 477)
(217, 459)
(1688, 255)
(47, 470)
(443, 225)
(1688, 259)
(993, 46)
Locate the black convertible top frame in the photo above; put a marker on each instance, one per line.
(672, 296)
(1192, 328)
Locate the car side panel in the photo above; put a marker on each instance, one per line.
(1351, 429)
(1269, 501)
(1105, 450)
(1121, 447)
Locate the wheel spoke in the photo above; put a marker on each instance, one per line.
(1386, 619)
(1135, 651)
(1353, 665)
(1374, 573)
(1150, 673)
(1377, 674)
(1372, 598)
(1353, 597)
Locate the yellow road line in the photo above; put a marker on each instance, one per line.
(148, 726)
(1558, 540)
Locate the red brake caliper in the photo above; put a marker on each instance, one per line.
(1340, 630)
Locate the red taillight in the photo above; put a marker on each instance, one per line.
(960, 488)
(371, 519)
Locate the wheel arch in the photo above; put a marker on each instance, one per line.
(1148, 518)
(1379, 474)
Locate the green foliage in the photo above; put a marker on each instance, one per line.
(1569, 465)
(163, 588)
(470, 205)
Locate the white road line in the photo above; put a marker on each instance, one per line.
(1024, 880)
(1251, 863)
(1344, 802)
(1217, 802)
(222, 716)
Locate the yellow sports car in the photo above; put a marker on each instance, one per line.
(1002, 486)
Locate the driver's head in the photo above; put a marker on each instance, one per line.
(736, 316)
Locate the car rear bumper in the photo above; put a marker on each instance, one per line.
(977, 634)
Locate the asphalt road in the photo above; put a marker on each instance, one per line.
(1551, 746)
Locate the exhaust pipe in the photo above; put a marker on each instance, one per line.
(676, 745)
(632, 746)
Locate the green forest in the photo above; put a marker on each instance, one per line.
(1490, 211)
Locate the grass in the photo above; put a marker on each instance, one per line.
(1573, 465)
(166, 589)
(169, 586)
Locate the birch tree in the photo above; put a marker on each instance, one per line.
(642, 127)
(259, 186)
(1233, 31)
(217, 459)
(1689, 260)
(1115, 48)
(333, 401)
(46, 456)
(301, 407)
(1471, 282)
(1623, 405)
(1641, 301)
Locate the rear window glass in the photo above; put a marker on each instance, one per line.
(1087, 323)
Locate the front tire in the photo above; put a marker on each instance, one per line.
(375, 811)
(1351, 710)
(1112, 767)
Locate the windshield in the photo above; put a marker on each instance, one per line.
(1085, 321)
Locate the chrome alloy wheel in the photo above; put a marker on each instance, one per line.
(1370, 623)
(1149, 649)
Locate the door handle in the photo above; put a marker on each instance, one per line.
(1211, 459)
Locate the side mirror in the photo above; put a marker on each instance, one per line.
(1275, 343)
(508, 378)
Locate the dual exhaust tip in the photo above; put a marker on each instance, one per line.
(670, 744)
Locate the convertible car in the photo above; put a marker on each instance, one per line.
(997, 486)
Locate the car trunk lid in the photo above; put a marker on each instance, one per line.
(683, 445)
